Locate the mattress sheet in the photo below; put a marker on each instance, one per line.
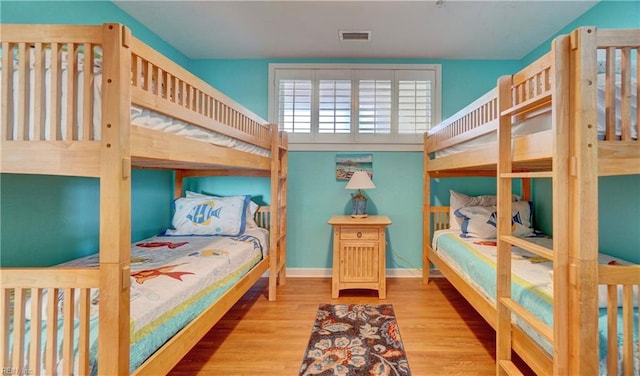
(475, 260)
(542, 121)
(139, 116)
(173, 279)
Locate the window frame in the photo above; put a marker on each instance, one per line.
(353, 141)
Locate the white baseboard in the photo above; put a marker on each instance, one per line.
(326, 273)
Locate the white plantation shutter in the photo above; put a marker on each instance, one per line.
(294, 98)
(374, 105)
(334, 107)
(415, 101)
(414, 113)
(351, 104)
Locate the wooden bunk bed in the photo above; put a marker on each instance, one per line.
(40, 64)
(561, 85)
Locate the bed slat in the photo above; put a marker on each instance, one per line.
(55, 126)
(609, 96)
(51, 353)
(87, 93)
(6, 123)
(5, 308)
(612, 327)
(72, 96)
(17, 361)
(35, 346)
(637, 57)
(39, 104)
(68, 314)
(625, 107)
(627, 324)
(83, 340)
(23, 92)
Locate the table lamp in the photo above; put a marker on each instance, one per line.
(359, 180)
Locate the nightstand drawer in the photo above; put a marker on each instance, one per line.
(359, 233)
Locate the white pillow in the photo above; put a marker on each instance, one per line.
(481, 221)
(459, 200)
(252, 208)
(209, 216)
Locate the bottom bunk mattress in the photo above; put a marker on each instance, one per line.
(173, 280)
(532, 276)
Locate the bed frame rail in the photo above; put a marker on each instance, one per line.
(627, 280)
(162, 86)
(58, 81)
(618, 62)
(44, 305)
(475, 120)
(618, 69)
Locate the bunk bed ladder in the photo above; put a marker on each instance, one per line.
(278, 238)
(524, 92)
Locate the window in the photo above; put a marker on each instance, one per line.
(346, 106)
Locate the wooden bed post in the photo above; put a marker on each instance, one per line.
(115, 203)
(426, 213)
(277, 255)
(560, 198)
(178, 183)
(504, 189)
(583, 205)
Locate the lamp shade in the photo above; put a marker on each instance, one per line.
(360, 180)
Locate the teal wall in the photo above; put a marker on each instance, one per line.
(618, 204)
(314, 193)
(57, 217)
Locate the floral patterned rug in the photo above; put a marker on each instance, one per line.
(355, 339)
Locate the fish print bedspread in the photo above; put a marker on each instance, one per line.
(174, 278)
(531, 286)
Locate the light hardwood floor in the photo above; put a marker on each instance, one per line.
(441, 332)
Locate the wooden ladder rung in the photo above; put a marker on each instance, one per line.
(510, 368)
(528, 246)
(534, 322)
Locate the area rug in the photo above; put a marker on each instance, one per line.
(355, 339)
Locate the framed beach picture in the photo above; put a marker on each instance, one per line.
(347, 164)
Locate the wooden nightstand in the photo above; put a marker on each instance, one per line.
(359, 253)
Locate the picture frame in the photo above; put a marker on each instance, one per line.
(347, 164)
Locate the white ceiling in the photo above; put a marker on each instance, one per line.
(452, 29)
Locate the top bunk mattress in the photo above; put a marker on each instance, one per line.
(139, 116)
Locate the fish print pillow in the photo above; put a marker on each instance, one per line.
(481, 221)
(252, 208)
(209, 216)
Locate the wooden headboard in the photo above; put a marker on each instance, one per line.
(263, 217)
(440, 217)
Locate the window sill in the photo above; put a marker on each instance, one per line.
(302, 146)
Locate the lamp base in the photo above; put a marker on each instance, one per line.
(359, 203)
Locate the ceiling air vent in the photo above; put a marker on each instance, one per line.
(359, 36)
